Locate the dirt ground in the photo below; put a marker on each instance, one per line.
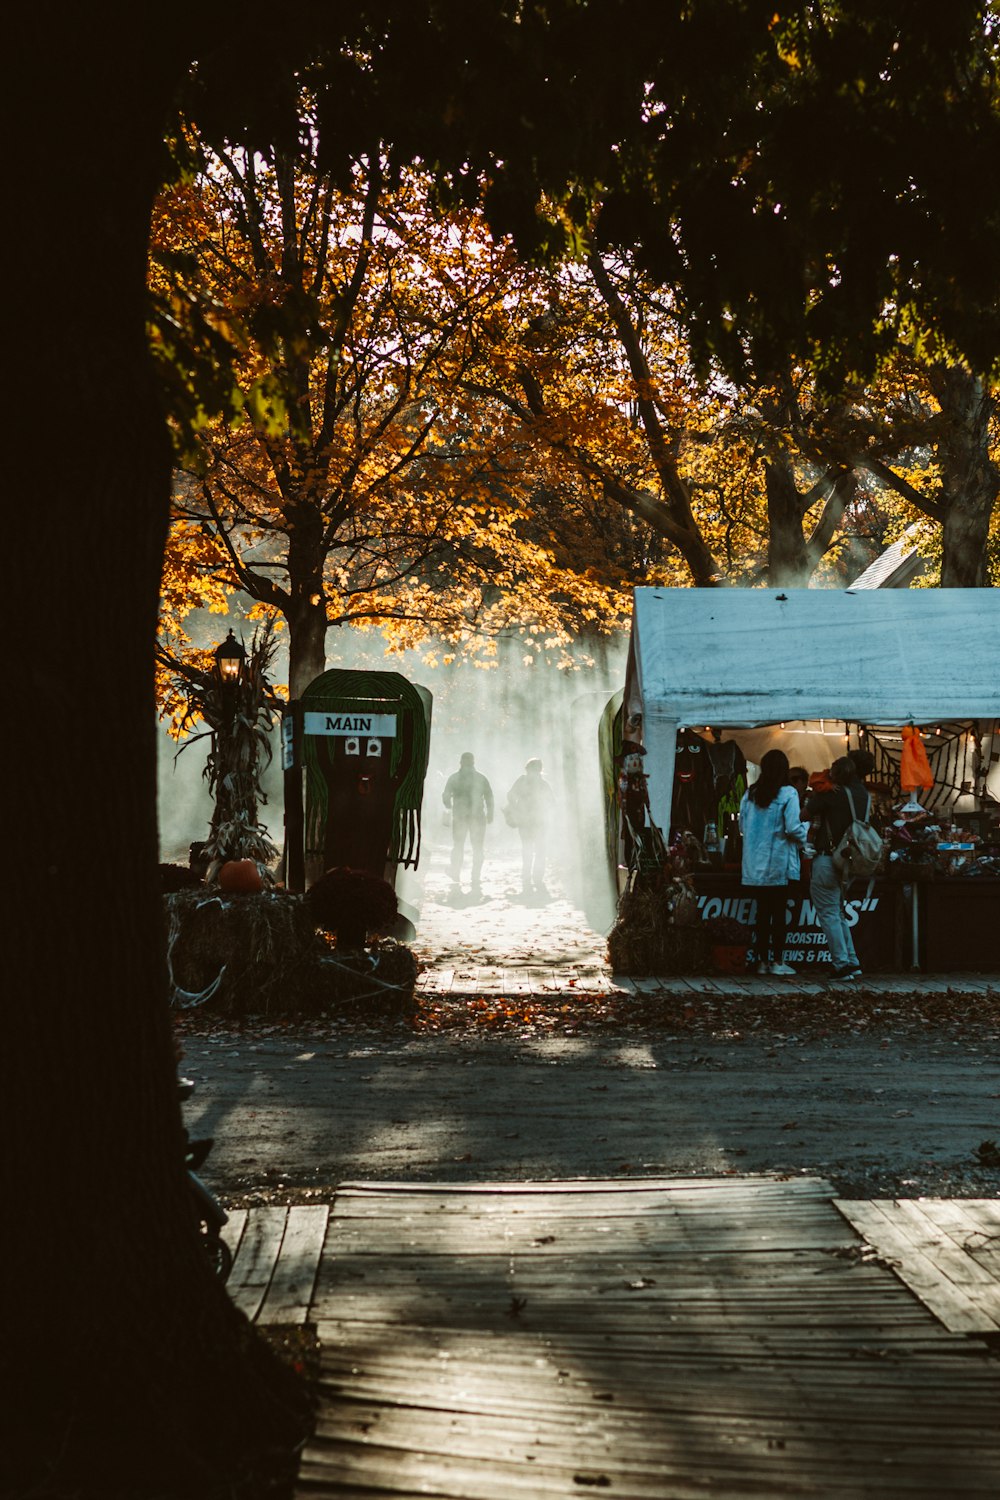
(882, 1100)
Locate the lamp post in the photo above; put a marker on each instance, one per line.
(229, 659)
(231, 694)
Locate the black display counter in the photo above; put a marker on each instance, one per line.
(880, 923)
(958, 925)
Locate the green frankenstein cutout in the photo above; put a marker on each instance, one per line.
(382, 825)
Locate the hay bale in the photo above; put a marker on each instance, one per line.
(257, 942)
(381, 978)
(646, 940)
(271, 959)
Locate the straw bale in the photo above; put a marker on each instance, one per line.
(271, 959)
(646, 940)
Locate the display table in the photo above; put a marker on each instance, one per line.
(878, 922)
(959, 925)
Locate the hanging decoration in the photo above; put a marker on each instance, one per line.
(914, 768)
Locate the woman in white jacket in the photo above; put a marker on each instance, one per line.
(773, 834)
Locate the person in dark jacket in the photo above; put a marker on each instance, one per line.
(831, 814)
(470, 797)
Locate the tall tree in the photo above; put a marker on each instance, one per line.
(359, 486)
(593, 365)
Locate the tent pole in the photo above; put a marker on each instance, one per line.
(914, 927)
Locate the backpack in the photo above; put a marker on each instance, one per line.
(859, 852)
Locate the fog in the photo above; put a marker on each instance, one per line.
(505, 715)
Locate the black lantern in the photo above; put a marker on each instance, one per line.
(229, 659)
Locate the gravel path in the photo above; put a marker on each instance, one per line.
(882, 1099)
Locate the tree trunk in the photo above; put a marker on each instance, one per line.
(786, 550)
(970, 480)
(133, 1375)
(306, 643)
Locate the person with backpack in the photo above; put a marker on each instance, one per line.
(839, 818)
(773, 834)
(529, 810)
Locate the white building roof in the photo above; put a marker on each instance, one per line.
(896, 567)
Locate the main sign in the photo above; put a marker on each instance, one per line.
(373, 726)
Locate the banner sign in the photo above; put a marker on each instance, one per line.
(871, 920)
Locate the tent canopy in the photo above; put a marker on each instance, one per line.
(744, 657)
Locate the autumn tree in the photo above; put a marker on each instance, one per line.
(721, 480)
(766, 478)
(360, 486)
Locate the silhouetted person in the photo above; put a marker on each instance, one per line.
(470, 797)
(529, 810)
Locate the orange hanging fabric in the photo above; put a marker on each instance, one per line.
(914, 767)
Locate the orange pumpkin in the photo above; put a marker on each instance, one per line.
(240, 877)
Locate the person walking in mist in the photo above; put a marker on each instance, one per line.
(773, 835)
(469, 796)
(529, 810)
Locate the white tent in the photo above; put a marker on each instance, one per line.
(745, 657)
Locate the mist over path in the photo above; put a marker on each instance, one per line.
(500, 927)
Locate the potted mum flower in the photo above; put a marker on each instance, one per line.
(729, 942)
(352, 904)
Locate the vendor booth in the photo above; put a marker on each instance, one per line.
(716, 677)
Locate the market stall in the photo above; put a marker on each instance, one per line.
(717, 677)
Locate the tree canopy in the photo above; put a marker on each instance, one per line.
(787, 170)
(361, 482)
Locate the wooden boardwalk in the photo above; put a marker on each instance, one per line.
(543, 982)
(946, 1250)
(652, 1339)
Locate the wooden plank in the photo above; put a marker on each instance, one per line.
(438, 980)
(289, 1293)
(964, 1230)
(471, 1431)
(947, 1301)
(985, 1212)
(232, 1230)
(516, 983)
(463, 979)
(711, 1393)
(621, 984)
(778, 1184)
(469, 1453)
(258, 1254)
(938, 1246)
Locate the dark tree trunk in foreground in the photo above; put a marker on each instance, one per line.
(130, 1374)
